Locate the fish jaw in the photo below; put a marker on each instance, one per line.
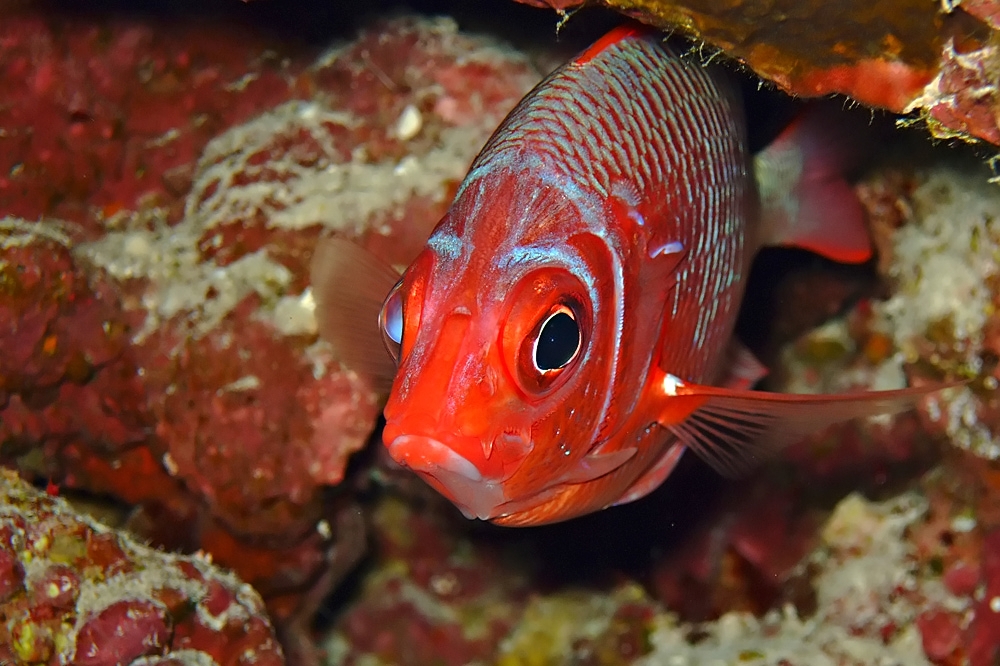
(450, 473)
(492, 497)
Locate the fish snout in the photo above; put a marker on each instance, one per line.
(448, 472)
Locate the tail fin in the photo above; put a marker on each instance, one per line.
(805, 200)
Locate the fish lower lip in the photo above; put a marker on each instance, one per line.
(425, 454)
(451, 474)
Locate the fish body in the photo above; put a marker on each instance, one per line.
(564, 333)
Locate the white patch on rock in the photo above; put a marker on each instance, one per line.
(181, 283)
(409, 123)
(296, 315)
(960, 407)
(287, 190)
(943, 257)
(183, 657)
(229, 185)
(943, 261)
(17, 232)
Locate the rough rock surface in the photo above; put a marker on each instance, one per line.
(938, 60)
(162, 193)
(159, 347)
(73, 591)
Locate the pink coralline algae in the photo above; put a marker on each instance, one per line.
(106, 115)
(984, 630)
(163, 191)
(55, 325)
(73, 591)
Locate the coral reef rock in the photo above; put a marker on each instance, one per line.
(73, 591)
(936, 59)
(906, 580)
(162, 191)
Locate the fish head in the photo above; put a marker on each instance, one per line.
(505, 350)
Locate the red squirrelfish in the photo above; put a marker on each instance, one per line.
(566, 332)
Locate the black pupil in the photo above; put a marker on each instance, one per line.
(557, 342)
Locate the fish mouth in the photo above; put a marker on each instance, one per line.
(451, 474)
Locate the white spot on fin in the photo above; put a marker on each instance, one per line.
(670, 384)
(734, 430)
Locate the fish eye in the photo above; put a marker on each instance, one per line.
(558, 341)
(390, 321)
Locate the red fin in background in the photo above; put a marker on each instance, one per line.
(735, 430)
(349, 285)
(805, 200)
(654, 476)
(742, 369)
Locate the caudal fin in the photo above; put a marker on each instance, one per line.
(350, 285)
(805, 200)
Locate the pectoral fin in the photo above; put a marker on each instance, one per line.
(734, 430)
(654, 476)
(349, 285)
(596, 465)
